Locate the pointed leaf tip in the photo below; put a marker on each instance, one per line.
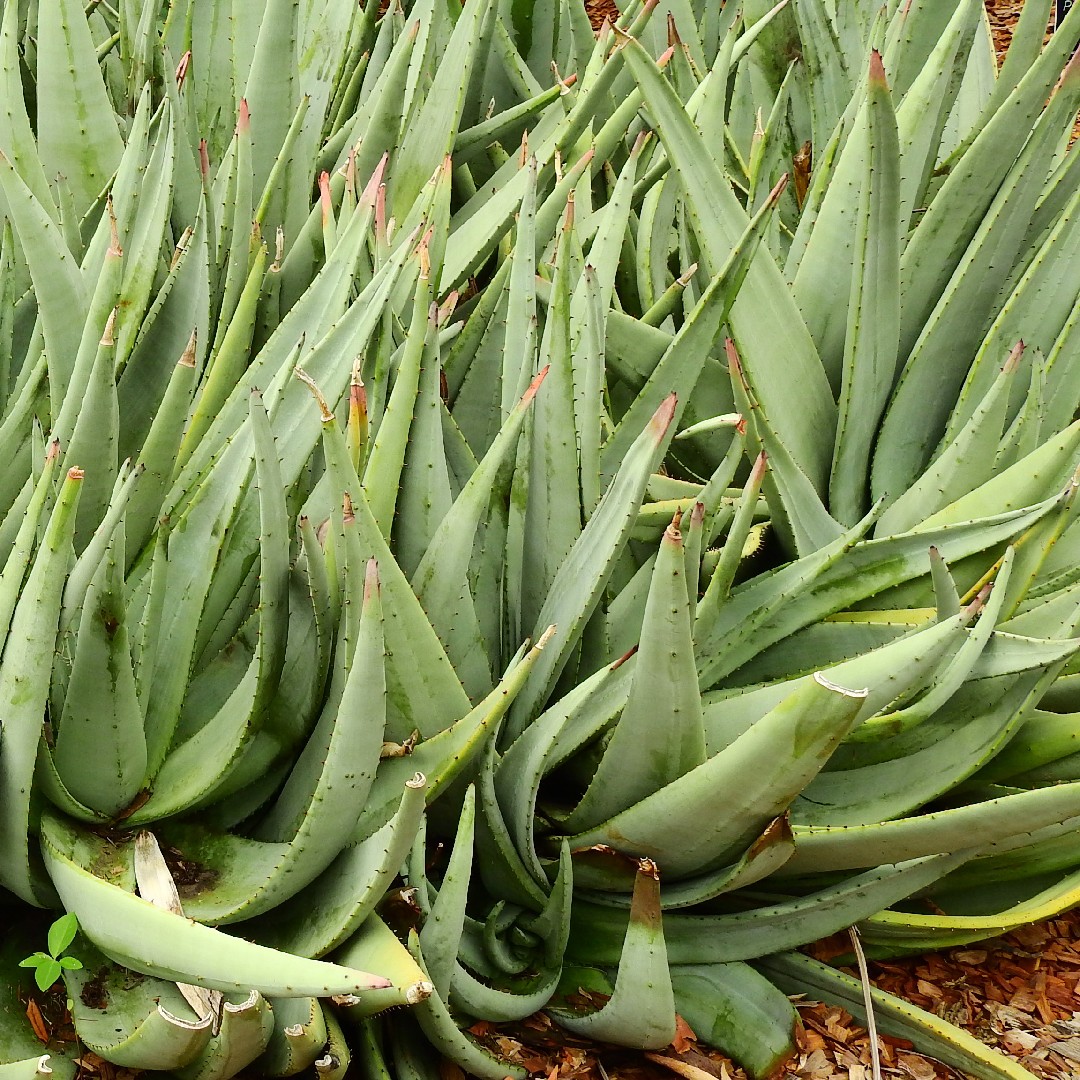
(187, 358)
(1013, 361)
(778, 190)
(639, 143)
(672, 31)
(761, 465)
(530, 391)
(734, 363)
(661, 419)
(114, 250)
(371, 189)
(877, 69)
(108, 337)
(371, 580)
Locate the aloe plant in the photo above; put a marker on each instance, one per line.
(473, 530)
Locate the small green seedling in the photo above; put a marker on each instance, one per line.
(48, 966)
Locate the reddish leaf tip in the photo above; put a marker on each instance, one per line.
(761, 464)
(877, 69)
(734, 363)
(530, 391)
(662, 418)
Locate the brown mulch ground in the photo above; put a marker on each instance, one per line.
(1019, 994)
(599, 10)
(1003, 15)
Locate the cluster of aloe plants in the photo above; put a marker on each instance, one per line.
(474, 532)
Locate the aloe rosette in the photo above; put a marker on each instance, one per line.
(475, 530)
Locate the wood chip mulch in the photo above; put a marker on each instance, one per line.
(599, 10)
(1003, 15)
(1019, 994)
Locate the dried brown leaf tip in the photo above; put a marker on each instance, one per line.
(187, 359)
(182, 69)
(326, 413)
(801, 166)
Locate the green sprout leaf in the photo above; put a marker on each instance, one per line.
(62, 933)
(49, 966)
(47, 972)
